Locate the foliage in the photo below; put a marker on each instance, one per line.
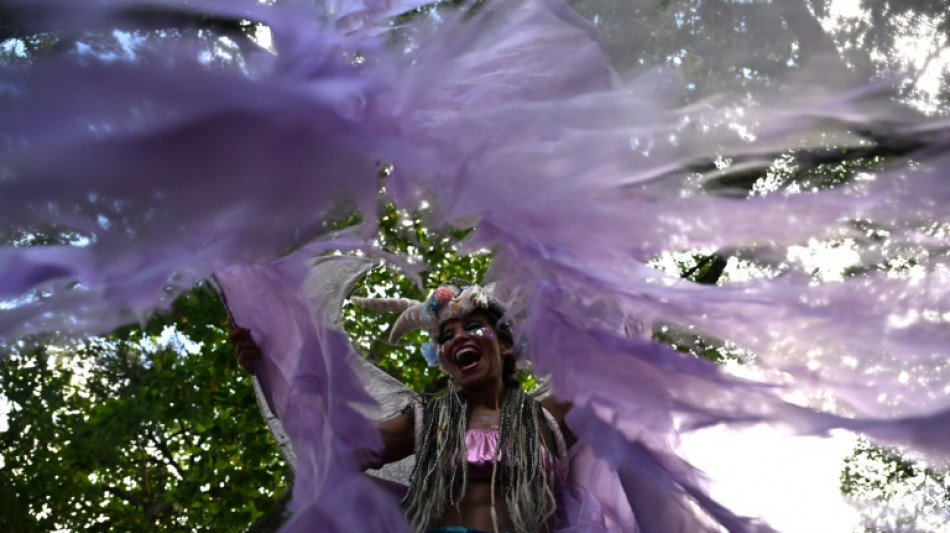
(895, 492)
(406, 235)
(725, 46)
(131, 432)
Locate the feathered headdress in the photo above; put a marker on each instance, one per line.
(451, 300)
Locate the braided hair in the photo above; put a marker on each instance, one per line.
(523, 464)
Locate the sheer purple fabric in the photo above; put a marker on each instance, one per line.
(166, 167)
(317, 395)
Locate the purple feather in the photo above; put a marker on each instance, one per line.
(169, 169)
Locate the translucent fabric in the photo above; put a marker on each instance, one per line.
(165, 163)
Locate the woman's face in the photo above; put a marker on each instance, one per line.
(471, 351)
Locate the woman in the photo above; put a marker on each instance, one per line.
(489, 457)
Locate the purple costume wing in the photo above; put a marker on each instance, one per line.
(329, 281)
(169, 167)
(315, 384)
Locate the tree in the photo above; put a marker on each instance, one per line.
(156, 427)
(406, 235)
(146, 429)
(895, 492)
(107, 428)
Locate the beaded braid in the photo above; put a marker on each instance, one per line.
(439, 460)
(524, 461)
(527, 462)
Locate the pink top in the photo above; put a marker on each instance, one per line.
(480, 447)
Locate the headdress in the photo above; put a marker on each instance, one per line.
(454, 299)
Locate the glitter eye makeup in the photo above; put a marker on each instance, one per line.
(474, 329)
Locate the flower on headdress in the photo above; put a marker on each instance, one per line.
(428, 351)
(443, 295)
(440, 297)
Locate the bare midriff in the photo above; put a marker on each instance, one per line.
(474, 511)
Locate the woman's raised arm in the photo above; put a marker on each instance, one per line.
(399, 439)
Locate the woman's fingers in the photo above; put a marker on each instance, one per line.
(245, 349)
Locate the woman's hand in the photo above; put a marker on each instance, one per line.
(245, 349)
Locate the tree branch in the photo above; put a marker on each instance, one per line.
(21, 20)
(813, 42)
(116, 491)
(710, 269)
(934, 54)
(166, 453)
(880, 146)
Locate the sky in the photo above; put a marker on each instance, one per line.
(922, 46)
(792, 482)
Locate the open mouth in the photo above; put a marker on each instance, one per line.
(467, 358)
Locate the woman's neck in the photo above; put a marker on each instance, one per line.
(489, 396)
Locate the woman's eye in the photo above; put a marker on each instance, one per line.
(471, 327)
(446, 337)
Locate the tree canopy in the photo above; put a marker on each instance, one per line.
(148, 428)
(154, 427)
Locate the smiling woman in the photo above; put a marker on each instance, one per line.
(470, 349)
(489, 456)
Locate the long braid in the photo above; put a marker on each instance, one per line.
(523, 462)
(439, 460)
(526, 462)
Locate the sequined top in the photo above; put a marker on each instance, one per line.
(480, 449)
(480, 445)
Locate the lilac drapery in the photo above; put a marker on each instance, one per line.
(167, 170)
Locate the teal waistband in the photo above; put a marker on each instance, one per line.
(454, 529)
